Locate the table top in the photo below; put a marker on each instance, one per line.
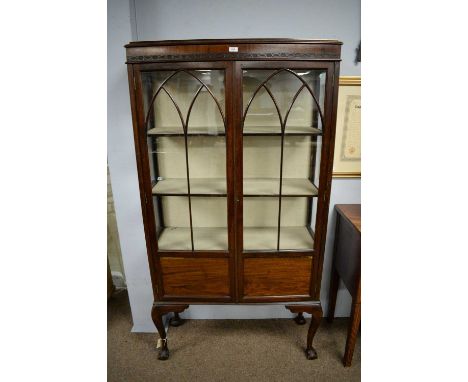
(351, 212)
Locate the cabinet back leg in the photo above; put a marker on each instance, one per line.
(299, 319)
(176, 320)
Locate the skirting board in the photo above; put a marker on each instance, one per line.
(223, 312)
(231, 312)
(150, 328)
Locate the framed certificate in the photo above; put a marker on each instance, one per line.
(347, 159)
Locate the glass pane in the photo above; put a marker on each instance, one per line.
(187, 154)
(175, 98)
(296, 232)
(267, 105)
(281, 157)
(260, 223)
(207, 165)
(209, 224)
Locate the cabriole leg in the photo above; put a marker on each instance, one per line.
(311, 353)
(157, 314)
(316, 311)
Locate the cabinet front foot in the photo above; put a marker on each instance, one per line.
(157, 313)
(315, 309)
(311, 353)
(164, 352)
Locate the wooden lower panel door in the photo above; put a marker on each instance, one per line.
(195, 277)
(277, 276)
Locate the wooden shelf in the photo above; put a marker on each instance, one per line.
(252, 187)
(215, 238)
(270, 187)
(198, 187)
(264, 238)
(248, 131)
(275, 130)
(192, 131)
(204, 238)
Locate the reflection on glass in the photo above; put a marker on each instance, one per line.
(187, 150)
(199, 91)
(296, 231)
(275, 98)
(282, 127)
(207, 165)
(209, 224)
(261, 223)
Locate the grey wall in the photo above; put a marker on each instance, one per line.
(183, 19)
(122, 166)
(186, 19)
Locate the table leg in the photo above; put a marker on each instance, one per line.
(353, 328)
(333, 292)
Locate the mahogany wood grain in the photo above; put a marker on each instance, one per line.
(332, 294)
(353, 329)
(229, 41)
(350, 212)
(150, 242)
(230, 85)
(204, 50)
(276, 277)
(157, 313)
(195, 276)
(315, 309)
(326, 166)
(238, 176)
(347, 253)
(347, 267)
(233, 275)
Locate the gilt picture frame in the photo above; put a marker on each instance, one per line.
(347, 158)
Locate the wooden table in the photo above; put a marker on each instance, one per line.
(347, 267)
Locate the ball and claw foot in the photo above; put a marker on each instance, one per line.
(163, 354)
(164, 351)
(299, 319)
(311, 353)
(176, 320)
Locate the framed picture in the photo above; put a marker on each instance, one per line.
(347, 159)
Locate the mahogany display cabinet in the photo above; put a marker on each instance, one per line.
(234, 144)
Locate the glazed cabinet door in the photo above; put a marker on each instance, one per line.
(184, 134)
(281, 176)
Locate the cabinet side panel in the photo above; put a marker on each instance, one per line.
(277, 276)
(135, 103)
(326, 172)
(195, 277)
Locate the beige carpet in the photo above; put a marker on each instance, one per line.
(226, 350)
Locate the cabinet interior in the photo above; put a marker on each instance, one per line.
(186, 136)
